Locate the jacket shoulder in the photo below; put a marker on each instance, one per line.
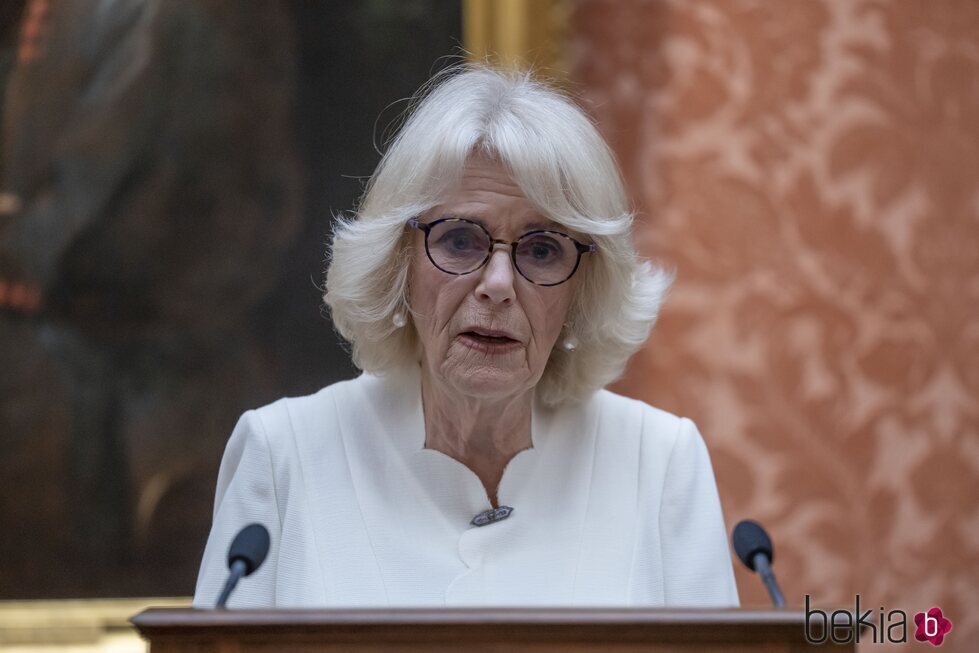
(653, 422)
(304, 416)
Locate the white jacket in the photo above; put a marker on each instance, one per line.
(615, 505)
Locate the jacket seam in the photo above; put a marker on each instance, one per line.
(360, 508)
(275, 498)
(268, 454)
(659, 517)
(637, 531)
(583, 525)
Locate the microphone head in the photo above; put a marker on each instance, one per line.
(750, 539)
(250, 545)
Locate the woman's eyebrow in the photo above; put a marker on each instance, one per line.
(533, 226)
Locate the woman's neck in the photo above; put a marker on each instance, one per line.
(483, 435)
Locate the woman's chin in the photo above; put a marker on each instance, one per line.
(487, 381)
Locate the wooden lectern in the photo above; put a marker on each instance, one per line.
(171, 630)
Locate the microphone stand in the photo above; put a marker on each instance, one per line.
(238, 568)
(764, 570)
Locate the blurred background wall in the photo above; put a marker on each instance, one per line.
(809, 168)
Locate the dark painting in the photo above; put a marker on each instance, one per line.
(169, 172)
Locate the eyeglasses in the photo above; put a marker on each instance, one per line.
(459, 246)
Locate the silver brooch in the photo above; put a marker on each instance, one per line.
(491, 515)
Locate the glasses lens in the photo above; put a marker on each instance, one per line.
(457, 246)
(546, 257)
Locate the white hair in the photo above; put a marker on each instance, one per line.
(563, 166)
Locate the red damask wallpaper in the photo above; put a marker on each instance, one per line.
(811, 170)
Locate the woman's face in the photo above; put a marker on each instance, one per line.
(453, 314)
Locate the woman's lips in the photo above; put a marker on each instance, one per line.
(487, 332)
(489, 344)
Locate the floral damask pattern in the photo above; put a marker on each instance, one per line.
(810, 168)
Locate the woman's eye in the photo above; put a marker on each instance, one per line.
(459, 239)
(541, 251)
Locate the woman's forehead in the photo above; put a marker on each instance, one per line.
(487, 194)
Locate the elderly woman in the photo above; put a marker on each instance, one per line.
(489, 289)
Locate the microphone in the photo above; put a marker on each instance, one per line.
(755, 550)
(247, 553)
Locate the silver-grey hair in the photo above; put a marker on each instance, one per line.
(557, 157)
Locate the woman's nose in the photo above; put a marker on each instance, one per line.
(496, 281)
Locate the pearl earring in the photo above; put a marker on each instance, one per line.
(570, 343)
(399, 319)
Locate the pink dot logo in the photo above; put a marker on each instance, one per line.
(932, 626)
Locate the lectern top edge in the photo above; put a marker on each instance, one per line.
(461, 616)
